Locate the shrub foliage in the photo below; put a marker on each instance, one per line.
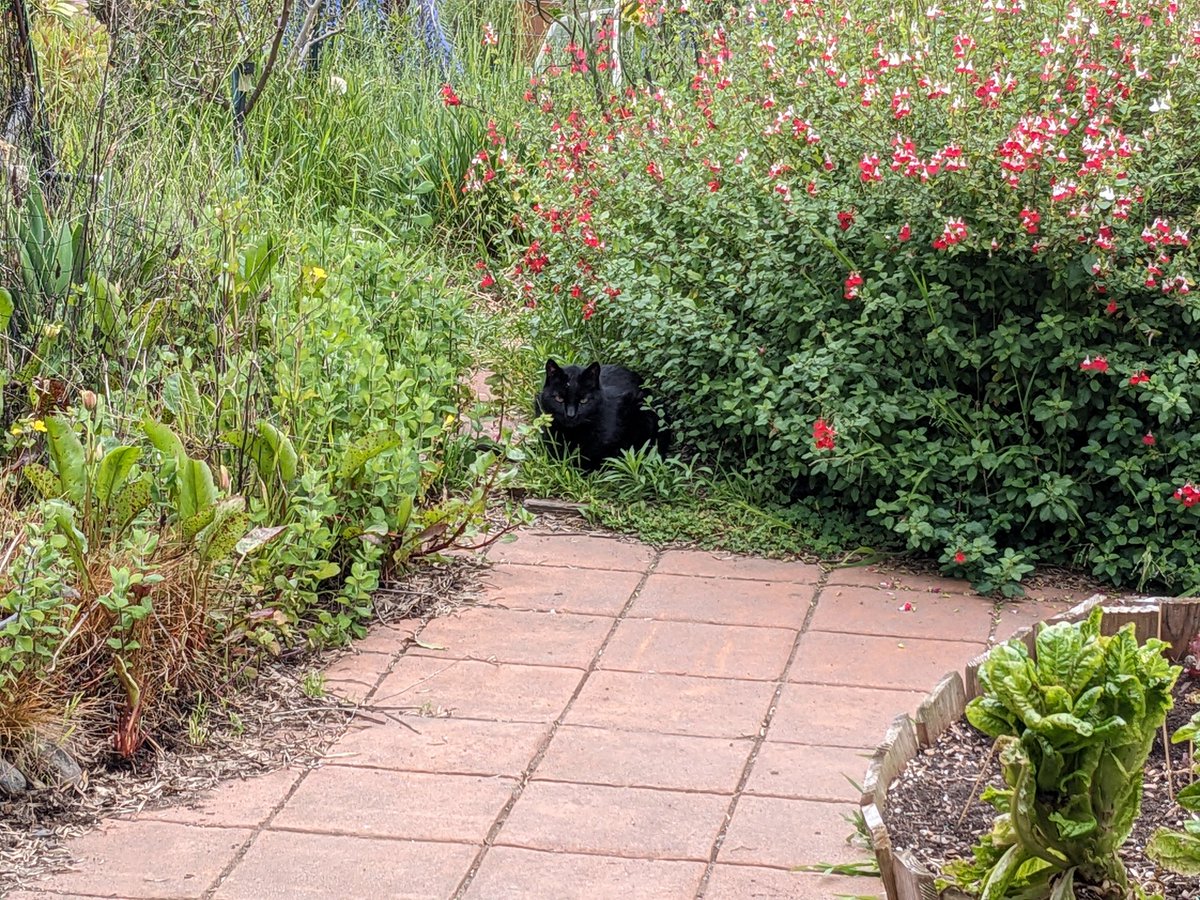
(928, 261)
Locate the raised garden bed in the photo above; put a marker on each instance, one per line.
(941, 716)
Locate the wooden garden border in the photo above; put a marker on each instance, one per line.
(1176, 621)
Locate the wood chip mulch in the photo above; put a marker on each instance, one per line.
(935, 812)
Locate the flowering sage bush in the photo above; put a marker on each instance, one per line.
(932, 261)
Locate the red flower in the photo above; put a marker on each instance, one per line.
(1111, 309)
(868, 169)
(906, 606)
(714, 186)
(853, 280)
(589, 310)
(845, 220)
(654, 171)
(1139, 378)
(1188, 495)
(1030, 219)
(449, 97)
(905, 232)
(1099, 364)
(954, 232)
(1148, 439)
(823, 435)
(960, 557)
(487, 281)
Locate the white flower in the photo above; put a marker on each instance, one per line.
(1161, 104)
(337, 85)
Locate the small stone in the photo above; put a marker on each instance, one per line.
(59, 766)
(12, 782)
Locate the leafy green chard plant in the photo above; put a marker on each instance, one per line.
(1179, 851)
(1073, 730)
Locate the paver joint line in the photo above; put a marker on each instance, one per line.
(266, 823)
(527, 774)
(758, 740)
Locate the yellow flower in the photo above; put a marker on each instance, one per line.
(16, 428)
(39, 425)
(314, 277)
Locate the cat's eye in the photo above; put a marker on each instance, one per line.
(584, 400)
(558, 398)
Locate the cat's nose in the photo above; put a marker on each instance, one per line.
(571, 412)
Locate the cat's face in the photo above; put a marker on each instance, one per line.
(571, 394)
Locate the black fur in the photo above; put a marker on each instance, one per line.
(598, 411)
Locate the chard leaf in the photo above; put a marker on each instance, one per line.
(1175, 850)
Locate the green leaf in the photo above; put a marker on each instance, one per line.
(129, 501)
(1189, 797)
(114, 470)
(1175, 850)
(6, 309)
(229, 525)
(164, 439)
(63, 516)
(364, 449)
(1003, 873)
(283, 452)
(1188, 732)
(197, 490)
(45, 481)
(67, 453)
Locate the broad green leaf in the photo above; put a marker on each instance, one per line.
(64, 260)
(45, 481)
(1175, 850)
(130, 500)
(1003, 873)
(365, 449)
(1188, 732)
(229, 525)
(1189, 797)
(164, 439)
(197, 490)
(193, 525)
(282, 449)
(114, 470)
(67, 453)
(6, 309)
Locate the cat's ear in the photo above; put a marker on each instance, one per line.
(591, 374)
(552, 368)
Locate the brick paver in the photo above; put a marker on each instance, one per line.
(608, 722)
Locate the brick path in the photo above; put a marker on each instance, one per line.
(633, 725)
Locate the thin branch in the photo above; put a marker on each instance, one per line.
(285, 14)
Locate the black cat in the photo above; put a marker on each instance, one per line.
(597, 411)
